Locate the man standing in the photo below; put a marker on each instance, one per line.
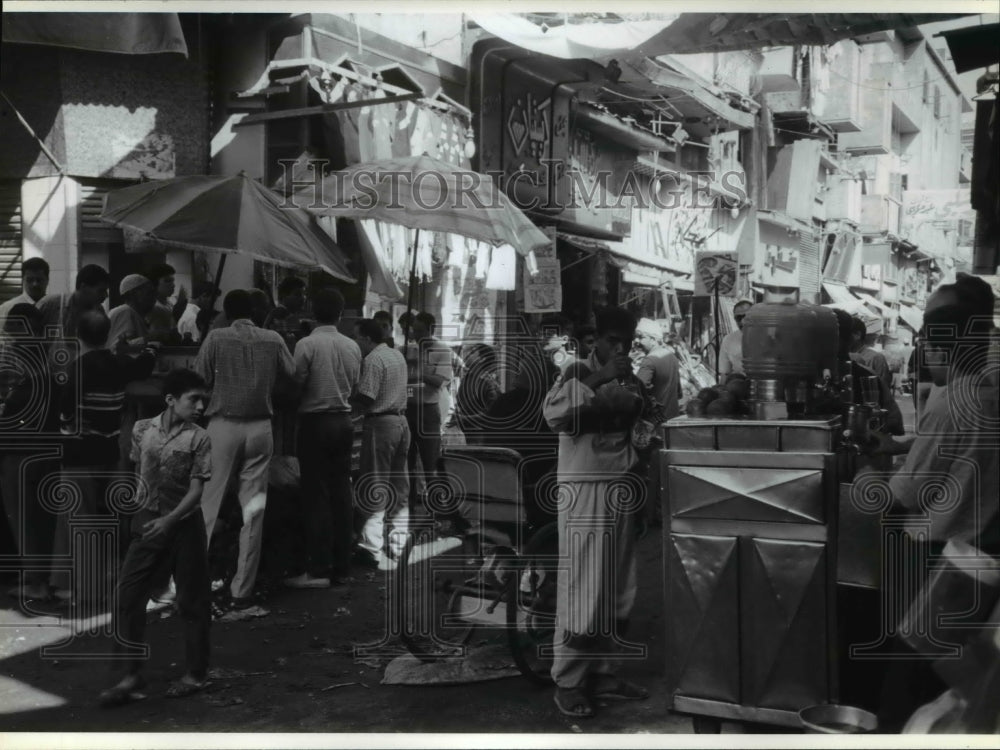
(161, 319)
(385, 444)
(956, 439)
(128, 320)
(34, 283)
(593, 414)
(241, 364)
(193, 320)
(659, 370)
(731, 349)
(429, 371)
(327, 368)
(863, 353)
(62, 310)
(288, 318)
(384, 319)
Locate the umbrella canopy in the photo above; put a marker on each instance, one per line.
(424, 193)
(226, 215)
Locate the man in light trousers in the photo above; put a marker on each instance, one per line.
(593, 409)
(241, 364)
(385, 444)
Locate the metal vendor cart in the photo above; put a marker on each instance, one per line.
(751, 567)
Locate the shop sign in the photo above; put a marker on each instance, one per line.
(543, 161)
(543, 291)
(714, 271)
(780, 266)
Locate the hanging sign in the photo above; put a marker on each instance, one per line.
(713, 268)
(543, 291)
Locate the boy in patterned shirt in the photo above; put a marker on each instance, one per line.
(174, 460)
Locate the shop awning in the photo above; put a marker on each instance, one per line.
(846, 300)
(911, 316)
(119, 33)
(973, 47)
(643, 270)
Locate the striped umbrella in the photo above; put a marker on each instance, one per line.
(226, 215)
(423, 193)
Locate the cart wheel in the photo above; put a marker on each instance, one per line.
(706, 725)
(429, 594)
(531, 605)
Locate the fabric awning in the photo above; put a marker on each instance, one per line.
(911, 316)
(973, 47)
(873, 302)
(375, 258)
(846, 300)
(120, 33)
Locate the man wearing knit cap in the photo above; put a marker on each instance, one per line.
(128, 320)
(731, 349)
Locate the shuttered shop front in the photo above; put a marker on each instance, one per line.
(10, 239)
(809, 276)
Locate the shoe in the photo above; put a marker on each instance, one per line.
(306, 581)
(573, 702)
(244, 610)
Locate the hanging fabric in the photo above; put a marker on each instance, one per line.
(502, 272)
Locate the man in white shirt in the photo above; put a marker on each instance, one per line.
(731, 349)
(34, 283)
(204, 295)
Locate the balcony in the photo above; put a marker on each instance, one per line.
(880, 213)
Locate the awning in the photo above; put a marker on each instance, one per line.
(869, 299)
(846, 300)
(973, 47)
(644, 270)
(376, 260)
(911, 316)
(120, 33)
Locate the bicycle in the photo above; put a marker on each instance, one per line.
(500, 558)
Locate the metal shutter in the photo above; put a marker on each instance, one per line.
(10, 239)
(809, 275)
(92, 229)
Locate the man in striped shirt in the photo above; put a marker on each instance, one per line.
(385, 444)
(90, 415)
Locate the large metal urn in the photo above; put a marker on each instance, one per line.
(788, 348)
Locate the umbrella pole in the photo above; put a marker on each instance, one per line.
(218, 278)
(412, 291)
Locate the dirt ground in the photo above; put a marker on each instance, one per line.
(295, 671)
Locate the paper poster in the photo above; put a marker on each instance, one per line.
(711, 268)
(543, 291)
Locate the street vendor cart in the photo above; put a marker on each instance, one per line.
(752, 504)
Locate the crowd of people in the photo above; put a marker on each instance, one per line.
(575, 401)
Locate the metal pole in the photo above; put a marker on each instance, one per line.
(218, 278)
(412, 292)
(718, 347)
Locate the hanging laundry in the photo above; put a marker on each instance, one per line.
(503, 269)
(406, 122)
(420, 131)
(382, 126)
(482, 260)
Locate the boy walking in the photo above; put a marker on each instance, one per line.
(174, 460)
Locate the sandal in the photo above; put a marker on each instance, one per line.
(573, 702)
(612, 686)
(182, 688)
(119, 695)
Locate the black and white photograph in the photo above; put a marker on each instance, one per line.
(499, 374)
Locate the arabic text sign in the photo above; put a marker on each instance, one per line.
(923, 206)
(711, 268)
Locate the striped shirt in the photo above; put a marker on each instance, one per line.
(241, 363)
(383, 379)
(90, 411)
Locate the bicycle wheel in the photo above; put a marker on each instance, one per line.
(531, 605)
(438, 592)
